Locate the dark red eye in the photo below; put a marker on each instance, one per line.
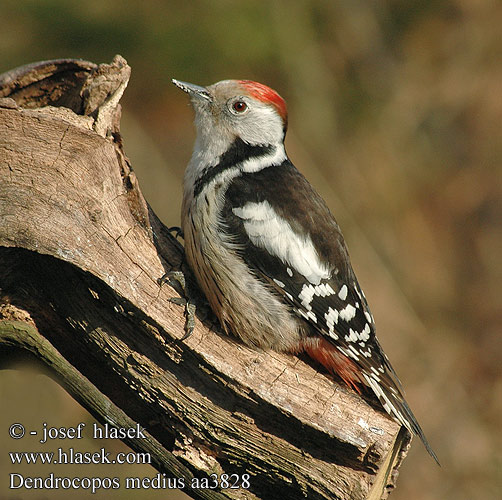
(239, 106)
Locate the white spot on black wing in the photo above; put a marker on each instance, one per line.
(306, 296)
(348, 312)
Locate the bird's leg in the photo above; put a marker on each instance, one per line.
(178, 277)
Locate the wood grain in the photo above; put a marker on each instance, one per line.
(81, 253)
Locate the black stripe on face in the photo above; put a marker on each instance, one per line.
(238, 152)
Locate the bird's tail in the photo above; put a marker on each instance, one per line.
(393, 401)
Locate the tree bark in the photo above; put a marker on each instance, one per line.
(81, 253)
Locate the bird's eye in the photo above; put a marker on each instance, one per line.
(239, 106)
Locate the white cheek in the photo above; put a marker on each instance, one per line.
(261, 125)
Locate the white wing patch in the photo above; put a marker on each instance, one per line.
(266, 229)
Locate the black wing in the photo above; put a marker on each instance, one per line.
(301, 253)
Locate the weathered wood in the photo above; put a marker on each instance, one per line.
(81, 253)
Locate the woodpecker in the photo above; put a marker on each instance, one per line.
(266, 250)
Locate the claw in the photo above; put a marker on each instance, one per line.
(173, 276)
(190, 320)
(181, 301)
(177, 231)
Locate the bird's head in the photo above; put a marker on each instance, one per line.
(233, 109)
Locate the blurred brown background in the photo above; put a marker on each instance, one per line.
(395, 117)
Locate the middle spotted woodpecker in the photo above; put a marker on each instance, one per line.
(266, 250)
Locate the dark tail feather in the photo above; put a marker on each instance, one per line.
(395, 405)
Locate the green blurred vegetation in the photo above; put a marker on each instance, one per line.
(395, 116)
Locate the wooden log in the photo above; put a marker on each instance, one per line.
(81, 254)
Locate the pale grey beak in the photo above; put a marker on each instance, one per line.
(193, 90)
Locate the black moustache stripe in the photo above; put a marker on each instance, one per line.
(238, 152)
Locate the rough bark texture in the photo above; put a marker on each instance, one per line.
(81, 253)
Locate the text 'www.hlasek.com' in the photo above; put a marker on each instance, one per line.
(70, 455)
